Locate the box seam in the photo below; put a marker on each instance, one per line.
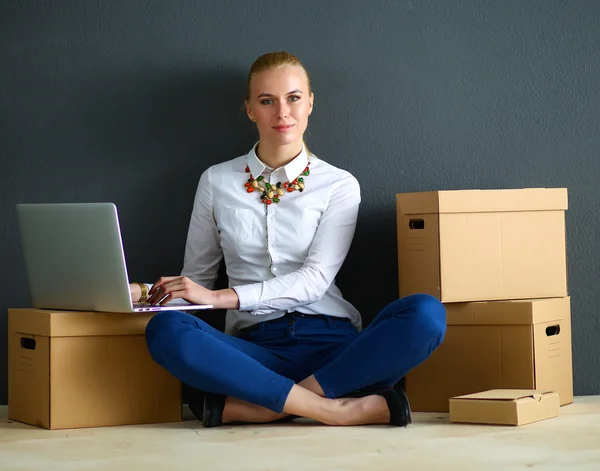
(439, 254)
(49, 383)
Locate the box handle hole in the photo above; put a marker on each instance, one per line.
(27, 343)
(416, 224)
(552, 330)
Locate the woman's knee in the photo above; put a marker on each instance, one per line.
(426, 313)
(156, 325)
(162, 329)
(429, 314)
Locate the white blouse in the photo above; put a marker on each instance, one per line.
(281, 257)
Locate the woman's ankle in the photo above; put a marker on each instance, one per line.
(237, 410)
(358, 411)
(337, 412)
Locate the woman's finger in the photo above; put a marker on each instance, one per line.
(164, 290)
(172, 295)
(161, 281)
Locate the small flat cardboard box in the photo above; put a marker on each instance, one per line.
(85, 369)
(483, 245)
(521, 344)
(505, 407)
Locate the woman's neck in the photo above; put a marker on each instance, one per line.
(279, 155)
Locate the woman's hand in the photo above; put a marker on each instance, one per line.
(169, 288)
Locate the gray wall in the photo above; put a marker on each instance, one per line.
(130, 101)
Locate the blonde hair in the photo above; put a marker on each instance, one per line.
(275, 60)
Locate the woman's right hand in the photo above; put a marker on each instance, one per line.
(135, 291)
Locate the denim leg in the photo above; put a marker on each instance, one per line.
(403, 335)
(212, 361)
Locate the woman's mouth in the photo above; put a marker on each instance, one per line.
(283, 127)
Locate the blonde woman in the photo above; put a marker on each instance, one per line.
(282, 219)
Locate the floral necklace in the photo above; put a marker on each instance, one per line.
(272, 193)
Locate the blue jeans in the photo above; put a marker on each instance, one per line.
(261, 366)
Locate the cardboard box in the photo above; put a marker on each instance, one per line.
(85, 369)
(522, 344)
(505, 407)
(482, 245)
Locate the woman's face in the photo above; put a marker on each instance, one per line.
(280, 103)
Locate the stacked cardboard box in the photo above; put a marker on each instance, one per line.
(497, 260)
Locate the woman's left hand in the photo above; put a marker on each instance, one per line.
(168, 288)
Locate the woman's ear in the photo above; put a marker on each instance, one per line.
(249, 112)
(311, 101)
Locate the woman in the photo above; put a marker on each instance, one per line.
(283, 220)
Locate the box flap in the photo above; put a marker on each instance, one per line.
(476, 201)
(510, 312)
(506, 394)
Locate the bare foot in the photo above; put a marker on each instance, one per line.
(342, 411)
(367, 410)
(236, 410)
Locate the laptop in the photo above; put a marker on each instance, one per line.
(74, 259)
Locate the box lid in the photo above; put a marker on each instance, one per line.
(511, 312)
(477, 201)
(52, 323)
(506, 394)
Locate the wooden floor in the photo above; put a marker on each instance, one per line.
(569, 442)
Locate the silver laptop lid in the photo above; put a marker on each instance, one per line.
(74, 256)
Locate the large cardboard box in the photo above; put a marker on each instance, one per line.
(84, 369)
(521, 344)
(482, 245)
(505, 407)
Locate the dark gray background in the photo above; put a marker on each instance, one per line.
(130, 101)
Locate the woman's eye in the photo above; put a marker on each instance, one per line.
(294, 98)
(266, 101)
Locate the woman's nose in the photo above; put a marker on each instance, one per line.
(283, 110)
